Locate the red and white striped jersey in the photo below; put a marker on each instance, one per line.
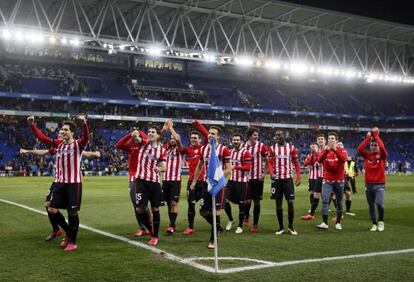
(67, 162)
(174, 164)
(238, 159)
(313, 166)
(148, 160)
(223, 154)
(281, 157)
(258, 152)
(320, 166)
(67, 156)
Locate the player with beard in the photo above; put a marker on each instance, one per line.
(171, 185)
(282, 157)
(236, 188)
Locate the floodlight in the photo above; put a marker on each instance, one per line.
(210, 58)
(298, 68)
(75, 42)
(19, 36)
(6, 34)
(273, 65)
(154, 51)
(244, 61)
(52, 40)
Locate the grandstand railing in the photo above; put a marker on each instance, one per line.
(207, 122)
(169, 89)
(201, 106)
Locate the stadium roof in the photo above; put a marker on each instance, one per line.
(271, 29)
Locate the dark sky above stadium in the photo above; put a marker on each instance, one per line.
(400, 11)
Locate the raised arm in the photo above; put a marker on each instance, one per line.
(38, 133)
(175, 135)
(124, 143)
(362, 147)
(85, 136)
(381, 146)
(143, 135)
(197, 124)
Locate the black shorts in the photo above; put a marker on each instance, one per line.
(133, 193)
(148, 191)
(236, 192)
(171, 190)
(206, 201)
(311, 184)
(318, 185)
(255, 190)
(347, 185)
(66, 196)
(282, 187)
(193, 196)
(49, 193)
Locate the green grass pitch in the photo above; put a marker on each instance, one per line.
(24, 255)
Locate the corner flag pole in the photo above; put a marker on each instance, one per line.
(216, 182)
(216, 267)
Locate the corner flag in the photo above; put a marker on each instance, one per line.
(215, 178)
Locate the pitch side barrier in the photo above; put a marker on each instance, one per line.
(192, 106)
(206, 122)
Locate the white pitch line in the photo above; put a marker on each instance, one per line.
(191, 261)
(126, 240)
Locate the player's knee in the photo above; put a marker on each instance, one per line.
(155, 209)
(325, 200)
(73, 213)
(140, 210)
(317, 195)
(291, 202)
(52, 210)
(47, 204)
